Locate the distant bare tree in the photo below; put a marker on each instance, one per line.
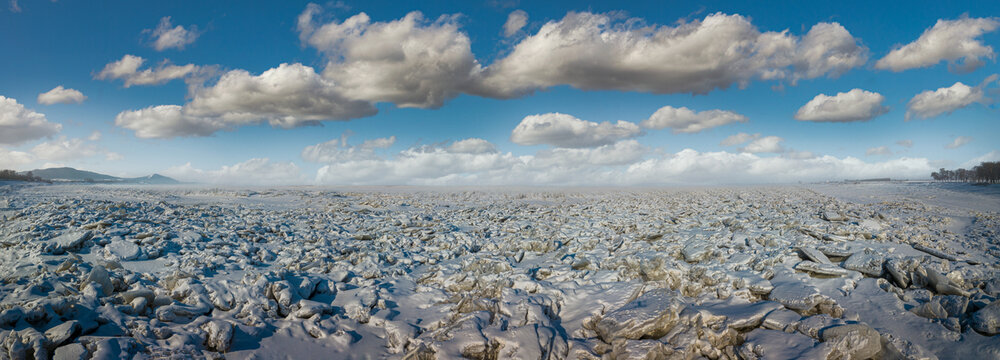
(986, 172)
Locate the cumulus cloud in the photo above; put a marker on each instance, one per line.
(881, 150)
(854, 105)
(515, 22)
(288, 96)
(739, 138)
(167, 36)
(990, 156)
(684, 120)
(623, 163)
(256, 171)
(562, 130)
(61, 95)
(604, 51)
(19, 124)
(10, 159)
(127, 70)
(767, 144)
(472, 146)
(959, 142)
(166, 121)
(944, 100)
(411, 62)
(338, 150)
(949, 40)
(690, 166)
(65, 149)
(620, 153)
(476, 161)
(828, 48)
(418, 165)
(905, 143)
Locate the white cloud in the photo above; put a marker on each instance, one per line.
(690, 166)
(881, 150)
(127, 70)
(19, 124)
(621, 163)
(828, 48)
(113, 156)
(798, 155)
(990, 156)
(420, 165)
(166, 121)
(10, 159)
(620, 153)
(410, 62)
(256, 171)
(60, 95)
(948, 40)
(600, 51)
(475, 161)
(379, 143)
(959, 142)
(562, 130)
(337, 150)
(94, 136)
(738, 139)
(167, 36)
(684, 120)
(854, 105)
(472, 146)
(288, 96)
(905, 143)
(14, 7)
(64, 149)
(515, 22)
(944, 100)
(767, 144)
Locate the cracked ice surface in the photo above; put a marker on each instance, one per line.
(752, 273)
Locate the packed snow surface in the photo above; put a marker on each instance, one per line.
(833, 271)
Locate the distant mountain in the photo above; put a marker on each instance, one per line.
(67, 174)
(155, 179)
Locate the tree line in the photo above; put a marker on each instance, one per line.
(7, 174)
(986, 172)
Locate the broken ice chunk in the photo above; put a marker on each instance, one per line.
(220, 335)
(833, 216)
(771, 344)
(795, 295)
(866, 262)
(651, 315)
(813, 254)
(987, 319)
(821, 269)
(121, 250)
(854, 341)
(68, 241)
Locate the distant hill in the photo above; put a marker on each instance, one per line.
(67, 174)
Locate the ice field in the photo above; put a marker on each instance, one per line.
(834, 271)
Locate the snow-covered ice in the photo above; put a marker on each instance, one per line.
(839, 271)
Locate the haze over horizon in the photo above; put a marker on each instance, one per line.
(506, 93)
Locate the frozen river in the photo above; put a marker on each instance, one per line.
(877, 270)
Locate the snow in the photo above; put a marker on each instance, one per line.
(825, 270)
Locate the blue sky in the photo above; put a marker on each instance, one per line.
(461, 94)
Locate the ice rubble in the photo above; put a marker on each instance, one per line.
(722, 273)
